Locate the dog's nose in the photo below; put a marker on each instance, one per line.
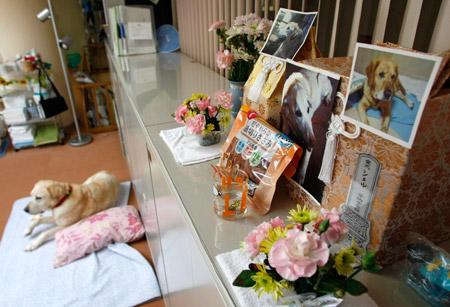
(26, 209)
(387, 94)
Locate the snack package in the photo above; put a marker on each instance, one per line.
(427, 270)
(263, 152)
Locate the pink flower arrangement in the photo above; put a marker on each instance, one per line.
(201, 117)
(242, 43)
(303, 257)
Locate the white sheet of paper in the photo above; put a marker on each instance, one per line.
(140, 30)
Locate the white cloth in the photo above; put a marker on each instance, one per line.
(114, 276)
(186, 149)
(232, 263)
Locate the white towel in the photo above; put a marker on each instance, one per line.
(186, 149)
(232, 263)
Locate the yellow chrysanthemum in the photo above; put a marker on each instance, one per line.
(225, 121)
(344, 260)
(23, 82)
(273, 235)
(3, 81)
(356, 248)
(208, 128)
(265, 283)
(302, 216)
(190, 113)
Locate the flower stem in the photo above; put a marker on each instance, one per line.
(358, 269)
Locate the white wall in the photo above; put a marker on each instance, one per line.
(21, 31)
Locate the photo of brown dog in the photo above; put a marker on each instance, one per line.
(388, 91)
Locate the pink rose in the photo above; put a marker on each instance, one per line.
(217, 25)
(181, 112)
(195, 124)
(224, 58)
(298, 255)
(212, 110)
(251, 242)
(204, 103)
(224, 98)
(337, 230)
(277, 222)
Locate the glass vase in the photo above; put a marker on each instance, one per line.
(237, 89)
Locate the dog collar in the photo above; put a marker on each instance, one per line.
(64, 197)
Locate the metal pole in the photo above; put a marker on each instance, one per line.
(80, 139)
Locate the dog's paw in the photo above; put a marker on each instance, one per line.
(409, 103)
(27, 231)
(31, 247)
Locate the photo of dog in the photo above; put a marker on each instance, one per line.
(69, 203)
(288, 33)
(388, 91)
(308, 97)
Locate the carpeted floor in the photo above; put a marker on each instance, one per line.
(20, 170)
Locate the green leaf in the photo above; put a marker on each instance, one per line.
(328, 286)
(324, 226)
(353, 287)
(373, 268)
(369, 259)
(302, 285)
(244, 279)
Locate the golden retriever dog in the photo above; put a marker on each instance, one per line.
(69, 203)
(381, 84)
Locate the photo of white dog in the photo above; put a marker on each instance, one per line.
(69, 203)
(288, 33)
(308, 97)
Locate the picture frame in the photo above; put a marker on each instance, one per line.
(307, 104)
(388, 90)
(288, 33)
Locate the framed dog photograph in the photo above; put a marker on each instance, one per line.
(288, 33)
(388, 91)
(307, 103)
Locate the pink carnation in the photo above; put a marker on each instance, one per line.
(224, 58)
(217, 25)
(224, 98)
(212, 110)
(298, 255)
(277, 222)
(181, 112)
(195, 124)
(204, 103)
(251, 242)
(337, 230)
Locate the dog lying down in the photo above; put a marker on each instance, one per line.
(69, 203)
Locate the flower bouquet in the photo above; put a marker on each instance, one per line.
(303, 260)
(242, 43)
(202, 118)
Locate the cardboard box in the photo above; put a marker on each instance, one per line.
(413, 189)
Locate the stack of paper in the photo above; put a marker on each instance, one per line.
(131, 30)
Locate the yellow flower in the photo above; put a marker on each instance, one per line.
(273, 235)
(3, 81)
(356, 248)
(208, 128)
(23, 82)
(302, 216)
(225, 121)
(265, 283)
(190, 113)
(344, 260)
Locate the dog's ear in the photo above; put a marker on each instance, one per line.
(370, 72)
(398, 84)
(56, 190)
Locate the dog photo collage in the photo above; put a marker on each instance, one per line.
(387, 95)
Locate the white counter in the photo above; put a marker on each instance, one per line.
(175, 201)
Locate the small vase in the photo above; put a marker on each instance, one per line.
(210, 138)
(237, 89)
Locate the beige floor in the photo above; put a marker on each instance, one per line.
(20, 170)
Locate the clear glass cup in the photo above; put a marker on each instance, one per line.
(230, 193)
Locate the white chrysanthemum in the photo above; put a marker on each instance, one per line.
(240, 54)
